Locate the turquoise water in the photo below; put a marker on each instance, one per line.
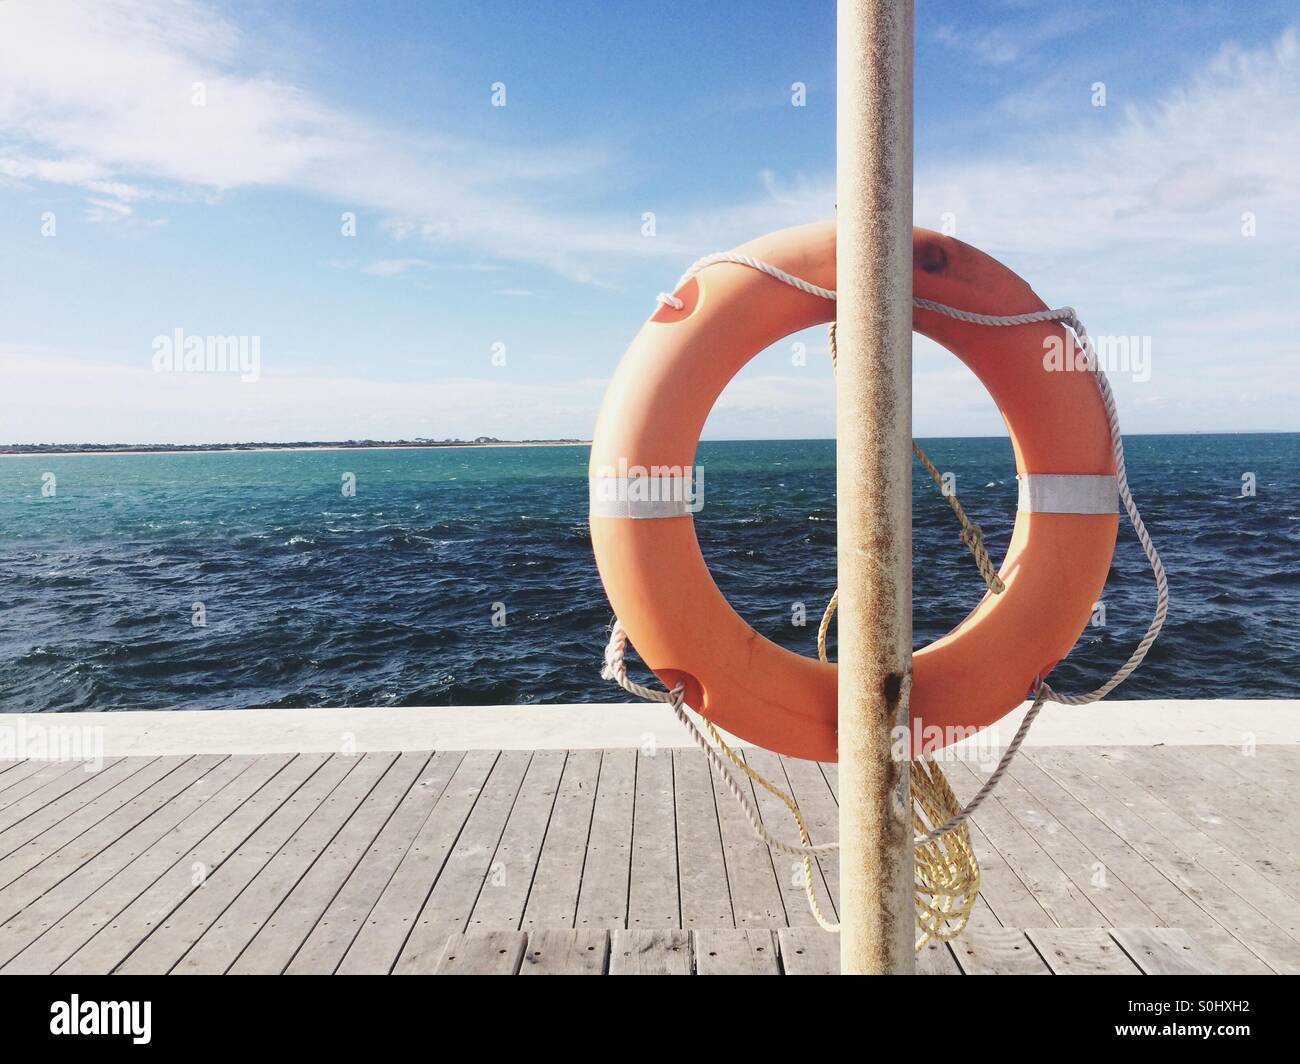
(389, 597)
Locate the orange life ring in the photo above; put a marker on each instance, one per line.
(644, 537)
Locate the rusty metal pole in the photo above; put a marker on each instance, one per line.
(874, 481)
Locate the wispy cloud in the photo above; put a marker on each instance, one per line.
(140, 99)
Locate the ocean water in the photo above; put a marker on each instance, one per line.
(315, 598)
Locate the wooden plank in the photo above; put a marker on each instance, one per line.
(1172, 907)
(1054, 889)
(482, 953)
(31, 839)
(809, 789)
(162, 807)
(36, 791)
(500, 904)
(935, 958)
(564, 952)
(652, 893)
(1003, 896)
(808, 951)
(639, 952)
(16, 773)
(736, 951)
(276, 942)
(378, 941)
(789, 870)
(1209, 796)
(325, 946)
(115, 940)
(553, 900)
(76, 928)
(218, 947)
(704, 892)
(1081, 951)
(1225, 907)
(169, 940)
(447, 908)
(1163, 950)
(1228, 955)
(997, 951)
(1246, 882)
(755, 894)
(603, 890)
(1194, 872)
(115, 813)
(1104, 888)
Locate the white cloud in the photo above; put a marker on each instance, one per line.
(104, 97)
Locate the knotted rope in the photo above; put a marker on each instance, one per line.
(947, 873)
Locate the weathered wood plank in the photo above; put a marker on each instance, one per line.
(58, 822)
(275, 942)
(581, 952)
(168, 942)
(1081, 951)
(997, 951)
(703, 888)
(230, 933)
(448, 905)
(553, 900)
(1078, 772)
(1172, 907)
(1229, 956)
(163, 807)
(76, 928)
(640, 952)
(1055, 890)
(115, 940)
(1208, 796)
(755, 894)
(1163, 950)
(1002, 893)
(35, 792)
(1109, 895)
(324, 948)
(809, 789)
(602, 895)
(51, 859)
(736, 951)
(808, 951)
(375, 947)
(482, 953)
(935, 958)
(789, 870)
(500, 904)
(652, 891)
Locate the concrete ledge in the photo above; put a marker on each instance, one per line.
(574, 727)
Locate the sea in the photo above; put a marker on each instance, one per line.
(441, 576)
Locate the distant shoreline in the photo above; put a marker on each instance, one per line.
(80, 449)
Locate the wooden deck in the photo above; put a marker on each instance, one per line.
(1093, 859)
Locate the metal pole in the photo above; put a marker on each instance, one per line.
(874, 481)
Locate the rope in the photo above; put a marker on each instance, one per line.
(947, 872)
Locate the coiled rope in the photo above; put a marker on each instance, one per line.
(944, 859)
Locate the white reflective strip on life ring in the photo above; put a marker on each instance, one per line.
(646, 496)
(1068, 493)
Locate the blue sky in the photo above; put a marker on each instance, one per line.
(522, 225)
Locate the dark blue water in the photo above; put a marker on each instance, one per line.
(313, 598)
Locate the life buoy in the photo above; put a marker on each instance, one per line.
(643, 532)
